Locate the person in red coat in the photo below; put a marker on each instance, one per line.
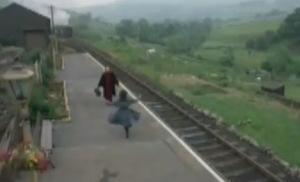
(108, 82)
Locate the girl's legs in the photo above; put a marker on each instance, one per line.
(127, 131)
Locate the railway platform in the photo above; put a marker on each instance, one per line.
(89, 149)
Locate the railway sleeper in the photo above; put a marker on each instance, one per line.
(195, 135)
(167, 115)
(207, 124)
(223, 164)
(178, 119)
(151, 102)
(178, 124)
(235, 166)
(218, 155)
(253, 175)
(154, 104)
(261, 180)
(188, 129)
(210, 147)
(198, 142)
(164, 111)
(162, 108)
(273, 168)
(231, 174)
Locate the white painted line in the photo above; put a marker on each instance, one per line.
(167, 128)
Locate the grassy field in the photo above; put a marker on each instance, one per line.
(237, 34)
(226, 91)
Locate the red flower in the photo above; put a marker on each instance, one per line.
(43, 163)
(5, 155)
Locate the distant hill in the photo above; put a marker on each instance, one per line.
(286, 4)
(183, 10)
(155, 11)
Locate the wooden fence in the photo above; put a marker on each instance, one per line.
(286, 101)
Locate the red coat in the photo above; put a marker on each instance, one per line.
(108, 81)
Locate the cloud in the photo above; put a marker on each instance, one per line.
(60, 16)
(74, 3)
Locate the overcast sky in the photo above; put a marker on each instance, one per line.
(84, 3)
(61, 17)
(72, 3)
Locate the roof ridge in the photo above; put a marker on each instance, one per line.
(25, 7)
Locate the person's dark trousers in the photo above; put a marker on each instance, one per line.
(127, 131)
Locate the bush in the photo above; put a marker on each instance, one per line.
(262, 42)
(179, 44)
(290, 28)
(279, 63)
(228, 58)
(47, 71)
(38, 102)
(296, 68)
(267, 66)
(31, 56)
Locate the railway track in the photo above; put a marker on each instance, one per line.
(235, 159)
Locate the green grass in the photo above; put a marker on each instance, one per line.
(272, 124)
(237, 34)
(293, 91)
(269, 123)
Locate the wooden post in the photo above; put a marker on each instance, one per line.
(54, 40)
(34, 176)
(27, 136)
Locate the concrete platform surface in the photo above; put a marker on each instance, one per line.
(89, 149)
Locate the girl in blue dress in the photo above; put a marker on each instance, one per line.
(124, 116)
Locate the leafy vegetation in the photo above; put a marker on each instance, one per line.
(280, 62)
(291, 26)
(30, 57)
(262, 42)
(39, 103)
(39, 100)
(221, 74)
(177, 36)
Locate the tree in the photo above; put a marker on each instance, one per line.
(250, 44)
(291, 25)
(262, 42)
(177, 36)
(179, 44)
(279, 63)
(144, 30)
(207, 24)
(228, 58)
(126, 28)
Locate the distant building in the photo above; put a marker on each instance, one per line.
(23, 27)
(273, 88)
